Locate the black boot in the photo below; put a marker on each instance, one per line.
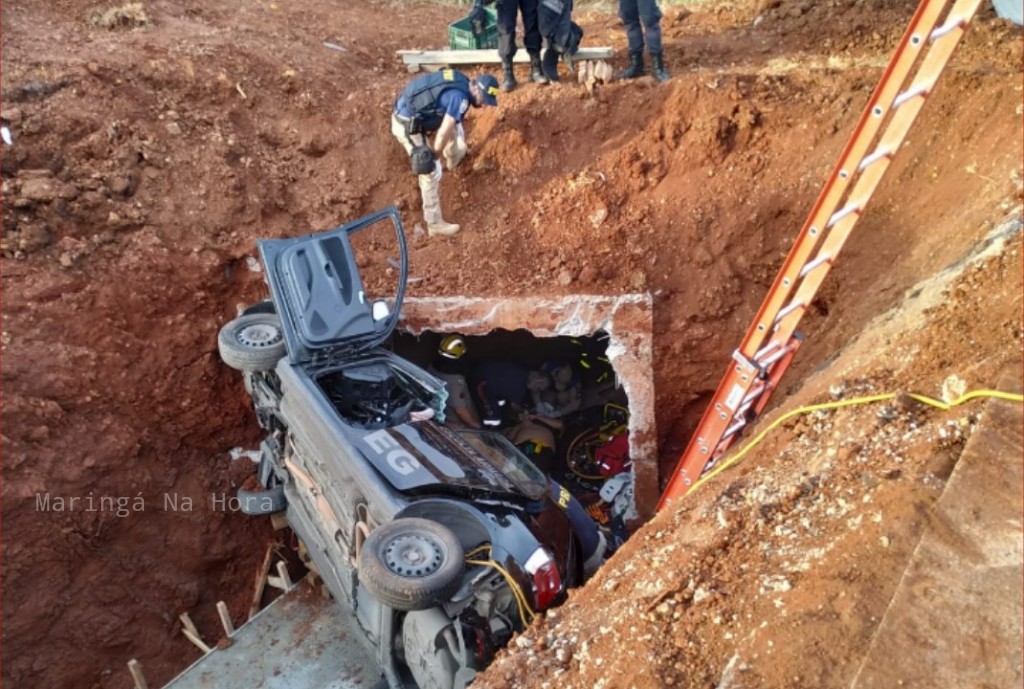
(658, 70)
(536, 72)
(636, 67)
(508, 78)
(551, 64)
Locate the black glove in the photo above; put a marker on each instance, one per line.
(422, 159)
(477, 19)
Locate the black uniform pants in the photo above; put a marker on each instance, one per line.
(646, 12)
(507, 27)
(555, 22)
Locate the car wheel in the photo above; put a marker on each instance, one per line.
(254, 342)
(411, 563)
(256, 503)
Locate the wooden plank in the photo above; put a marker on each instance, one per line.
(480, 57)
(282, 571)
(225, 618)
(195, 639)
(187, 623)
(136, 669)
(261, 580)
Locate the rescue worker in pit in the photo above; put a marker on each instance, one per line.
(449, 367)
(565, 395)
(438, 102)
(537, 434)
(507, 37)
(505, 390)
(534, 436)
(593, 543)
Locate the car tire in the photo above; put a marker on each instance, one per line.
(254, 342)
(411, 563)
(265, 306)
(257, 503)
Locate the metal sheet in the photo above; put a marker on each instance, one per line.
(300, 641)
(1010, 9)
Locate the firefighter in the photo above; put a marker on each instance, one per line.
(593, 542)
(505, 389)
(537, 437)
(507, 37)
(438, 102)
(449, 367)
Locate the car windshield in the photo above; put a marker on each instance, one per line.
(504, 456)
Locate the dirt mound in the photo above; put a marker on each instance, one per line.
(149, 155)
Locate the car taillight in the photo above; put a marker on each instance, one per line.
(547, 583)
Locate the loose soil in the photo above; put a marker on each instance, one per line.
(152, 147)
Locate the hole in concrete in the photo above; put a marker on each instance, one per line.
(532, 332)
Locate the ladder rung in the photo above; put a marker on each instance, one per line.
(733, 429)
(839, 215)
(825, 258)
(785, 312)
(753, 395)
(741, 413)
(910, 94)
(948, 27)
(776, 356)
(764, 350)
(874, 158)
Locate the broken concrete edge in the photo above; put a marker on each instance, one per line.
(490, 56)
(627, 319)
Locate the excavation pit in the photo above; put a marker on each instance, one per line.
(135, 191)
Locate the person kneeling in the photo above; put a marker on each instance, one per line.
(438, 102)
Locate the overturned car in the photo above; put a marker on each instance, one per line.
(442, 541)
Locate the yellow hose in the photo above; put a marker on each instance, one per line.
(522, 604)
(945, 406)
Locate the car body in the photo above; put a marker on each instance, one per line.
(442, 541)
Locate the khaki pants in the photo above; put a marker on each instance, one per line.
(430, 185)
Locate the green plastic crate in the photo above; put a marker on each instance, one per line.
(460, 34)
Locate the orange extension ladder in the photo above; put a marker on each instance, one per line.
(771, 341)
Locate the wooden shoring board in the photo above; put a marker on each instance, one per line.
(489, 56)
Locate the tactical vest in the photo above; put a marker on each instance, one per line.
(422, 94)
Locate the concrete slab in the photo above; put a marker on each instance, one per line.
(956, 619)
(300, 641)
